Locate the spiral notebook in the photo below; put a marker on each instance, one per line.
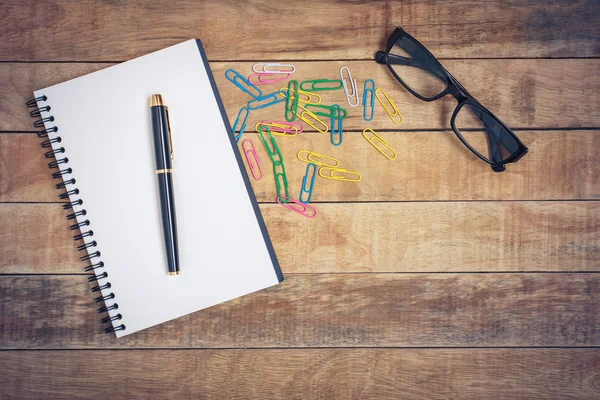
(98, 140)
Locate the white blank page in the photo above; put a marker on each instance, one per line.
(105, 125)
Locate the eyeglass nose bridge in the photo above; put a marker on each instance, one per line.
(455, 92)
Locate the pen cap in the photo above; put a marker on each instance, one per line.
(157, 100)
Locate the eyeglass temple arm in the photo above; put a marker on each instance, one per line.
(494, 139)
(411, 62)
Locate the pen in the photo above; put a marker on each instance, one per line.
(163, 150)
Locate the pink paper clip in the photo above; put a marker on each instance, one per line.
(250, 154)
(263, 78)
(301, 208)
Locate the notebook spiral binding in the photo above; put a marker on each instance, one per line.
(63, 170)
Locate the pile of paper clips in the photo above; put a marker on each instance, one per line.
(303, 102)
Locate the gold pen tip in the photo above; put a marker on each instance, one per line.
(174, 273)
(157, 100)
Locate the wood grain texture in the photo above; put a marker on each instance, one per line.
(523, 93)
(305, 374)
(363, 237)
(340, 310)
(242, 30)
(561, 165)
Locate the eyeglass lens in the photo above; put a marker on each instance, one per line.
(416, 68)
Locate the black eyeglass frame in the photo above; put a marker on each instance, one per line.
(454, 88)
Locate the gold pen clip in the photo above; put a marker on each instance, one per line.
(170, 133)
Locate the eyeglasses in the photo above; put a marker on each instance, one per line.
(423, 75)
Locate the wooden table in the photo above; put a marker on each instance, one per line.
(433, 277)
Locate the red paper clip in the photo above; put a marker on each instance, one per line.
(251, 154)
(263, 78)
(301, 208)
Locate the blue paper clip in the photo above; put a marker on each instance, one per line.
(368, 90)
(256, 103)
(235, 77)
(336, 131)
(308, 190)
(237, 121)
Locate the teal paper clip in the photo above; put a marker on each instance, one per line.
(309, 190)
(321, 84)
(367, 91)
(291, 106)
(336, 127)
(262, 101)
(244, 84)
(237, 121)
(332, 111)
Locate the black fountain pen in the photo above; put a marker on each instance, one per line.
(163, 150)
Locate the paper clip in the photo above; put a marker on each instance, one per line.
(252, 159)
(281, 128)
(281, 183)
(237, 121)
(357, 177)
(258, 102)
(379, 139)
(368, 92)
(273, 149)
(291, 101)
(322, 163)
(278, 166)
(311, 97)
(259, 78)
(337, 111)
(336, 132)
(300, 208)
(304, 116)
(387, 110)
(267, 68)
(309, 190)
(354, 93)
(321, 84)
(235, 77)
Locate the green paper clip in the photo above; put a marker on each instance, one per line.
(322, 84)
(333, 111)
(278, 167)
(292, 93)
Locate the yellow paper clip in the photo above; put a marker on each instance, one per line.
(377, 138)
(279, 128)
(387, 110)
(310, 118)
(316, 158)
(305, 97)
(354, 176)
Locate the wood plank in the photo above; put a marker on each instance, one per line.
(363, 237)
(561, 165)
(245, 30)
(339, 310)
(305, 374)
(524, 93)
